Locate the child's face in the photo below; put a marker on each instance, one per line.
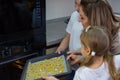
(77, 3)
(85, 51)
(83, 18)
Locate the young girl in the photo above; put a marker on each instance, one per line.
(98, 63)
(74, 28)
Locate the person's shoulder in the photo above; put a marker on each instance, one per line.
(82, 73)
(74, 16)
(75, 13)
(82, 70)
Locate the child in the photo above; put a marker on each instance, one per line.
(71, 41)
(73, 31)
(98, 62)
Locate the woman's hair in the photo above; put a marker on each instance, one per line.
(98, 41)
(99, 13)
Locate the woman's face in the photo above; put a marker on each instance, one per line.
(83, 18)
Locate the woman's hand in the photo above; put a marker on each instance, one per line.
(74, 59)
(50, 78)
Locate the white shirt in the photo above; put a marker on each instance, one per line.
(101, 73)
(74, 28)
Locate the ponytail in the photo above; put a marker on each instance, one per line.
(112, 70)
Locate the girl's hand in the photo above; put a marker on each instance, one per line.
(50, 78)
(74, 59)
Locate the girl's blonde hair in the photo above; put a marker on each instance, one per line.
(98, 41)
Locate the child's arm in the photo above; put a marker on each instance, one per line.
(75, 59)
(64, 44)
